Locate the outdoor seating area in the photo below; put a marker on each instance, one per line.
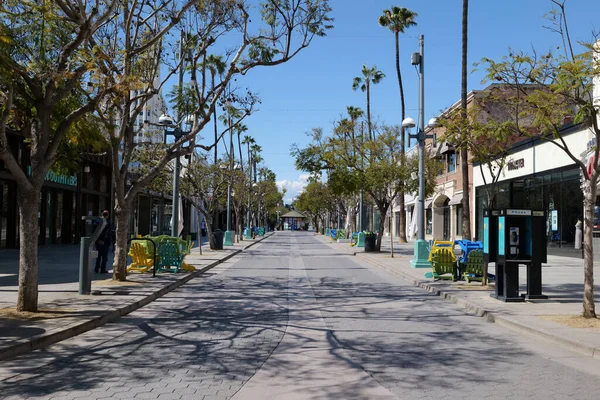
(445, 265)
(164, 253)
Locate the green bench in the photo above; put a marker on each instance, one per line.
(473, 269)
(443, 263)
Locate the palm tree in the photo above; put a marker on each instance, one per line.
(249, 140)
(397, 20)
(241, 128)
(370, 76)
(216, 66)
(464, 154)
(354, 113)
(256, 158)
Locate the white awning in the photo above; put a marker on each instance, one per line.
(445, 148)
(456, 199)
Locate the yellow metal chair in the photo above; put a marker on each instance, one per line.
(140, 260)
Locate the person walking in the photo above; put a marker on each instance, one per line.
(102, 245)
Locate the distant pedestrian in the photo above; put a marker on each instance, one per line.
(103, 244)
(203, 228)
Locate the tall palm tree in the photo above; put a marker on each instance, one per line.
(397, 20)
(216, 66)
(464, 154)
(355, 113)
(256, 158)
(370, 76)
(249, 140)
(241, 128)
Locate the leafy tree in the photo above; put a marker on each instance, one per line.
(314, 202)
(44, 58)
(205, 186)
(134, 51)
(564, 90)
(397, 20)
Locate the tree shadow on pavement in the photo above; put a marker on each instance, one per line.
(211, 336)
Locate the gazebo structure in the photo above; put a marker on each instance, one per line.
(292, 220)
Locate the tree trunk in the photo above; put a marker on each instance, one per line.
(402, 216)
(391, 236)
(211, 237)
(464, 154)
(199, 229)
(27, 299)
(382, 212)
(122, 215)
(589, 308)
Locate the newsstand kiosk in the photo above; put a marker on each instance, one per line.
(521, 240)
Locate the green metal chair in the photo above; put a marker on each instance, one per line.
(442, 264)
(474, 266)
(169, 257)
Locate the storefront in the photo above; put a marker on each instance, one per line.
(539, 175)
(64, 199)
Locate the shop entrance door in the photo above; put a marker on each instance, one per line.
(446, 220)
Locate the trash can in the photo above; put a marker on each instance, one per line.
(370, 241)
(218, 236)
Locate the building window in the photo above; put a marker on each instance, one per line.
(428, 222)
(451, 161)
(459, 219)
(441, 164)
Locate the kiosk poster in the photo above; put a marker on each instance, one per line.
(554, 216)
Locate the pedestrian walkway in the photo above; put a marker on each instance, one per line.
(562, 283)
(64, 313)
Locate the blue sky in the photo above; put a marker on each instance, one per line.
(313, 89)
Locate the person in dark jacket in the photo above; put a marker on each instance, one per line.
(102, 245)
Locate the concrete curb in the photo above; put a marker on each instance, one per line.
(491, 316)
(47, 339)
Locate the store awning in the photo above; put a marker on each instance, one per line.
(445, 148)
(456, 199)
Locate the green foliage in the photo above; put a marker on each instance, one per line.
(398, 19)
(315, 201)
(546, 92)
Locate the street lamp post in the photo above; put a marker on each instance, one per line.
(228, 234)
(421, 252)
(166, 120)
(176, 132)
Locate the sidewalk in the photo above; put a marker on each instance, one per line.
(64, 313)
(562, 282)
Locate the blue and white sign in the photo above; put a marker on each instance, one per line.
(518, 212)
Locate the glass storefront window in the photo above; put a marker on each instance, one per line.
(459, 219)
(3, 214)
(428, 221)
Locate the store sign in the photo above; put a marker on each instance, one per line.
(554, 219)
(52, 176)
(516, 164)
(61, 179)
(518, 212)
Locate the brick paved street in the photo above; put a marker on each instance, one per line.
(294, 318)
